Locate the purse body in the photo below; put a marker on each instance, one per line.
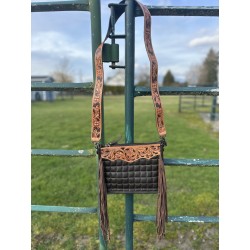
(131, 168)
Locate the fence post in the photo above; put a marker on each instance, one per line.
(95, 15)
(129, 108)
(213, 109)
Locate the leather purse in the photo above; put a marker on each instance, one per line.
(136, 168)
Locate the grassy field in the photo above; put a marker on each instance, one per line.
(65, 181)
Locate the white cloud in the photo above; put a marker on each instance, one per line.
(52, 42)
(204, 41)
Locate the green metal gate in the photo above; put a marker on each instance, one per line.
(131, 12)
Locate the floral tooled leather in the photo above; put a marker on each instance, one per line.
(97, 97)
(130, 153)
(153, 72)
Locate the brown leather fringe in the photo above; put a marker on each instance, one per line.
(104, 219)
(162, 211)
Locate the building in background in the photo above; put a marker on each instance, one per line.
(43, 95)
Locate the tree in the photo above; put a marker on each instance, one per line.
(168, 79)
(63, 74)
(205, 73)
(209, 69)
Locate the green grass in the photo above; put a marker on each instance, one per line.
(72, 181)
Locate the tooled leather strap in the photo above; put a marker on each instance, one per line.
(153, 72)
(99, 82)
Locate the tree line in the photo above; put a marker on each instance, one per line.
(202, 74)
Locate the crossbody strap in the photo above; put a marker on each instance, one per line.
(99, 81)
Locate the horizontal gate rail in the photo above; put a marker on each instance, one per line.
(181, 11)
(175, 10)
(201, 219)
(91, 152)
(82, 5)
(137, 217)
(211, 91)
(62, 209)
(37, 86)
(191, 162)
(59, 152)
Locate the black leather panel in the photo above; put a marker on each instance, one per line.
(140, 176)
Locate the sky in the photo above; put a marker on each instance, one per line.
(179, 42)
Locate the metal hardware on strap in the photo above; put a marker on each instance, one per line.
(99, 81)
(163, 142)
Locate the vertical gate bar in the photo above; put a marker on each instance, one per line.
(95, 16)
(129, 108)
